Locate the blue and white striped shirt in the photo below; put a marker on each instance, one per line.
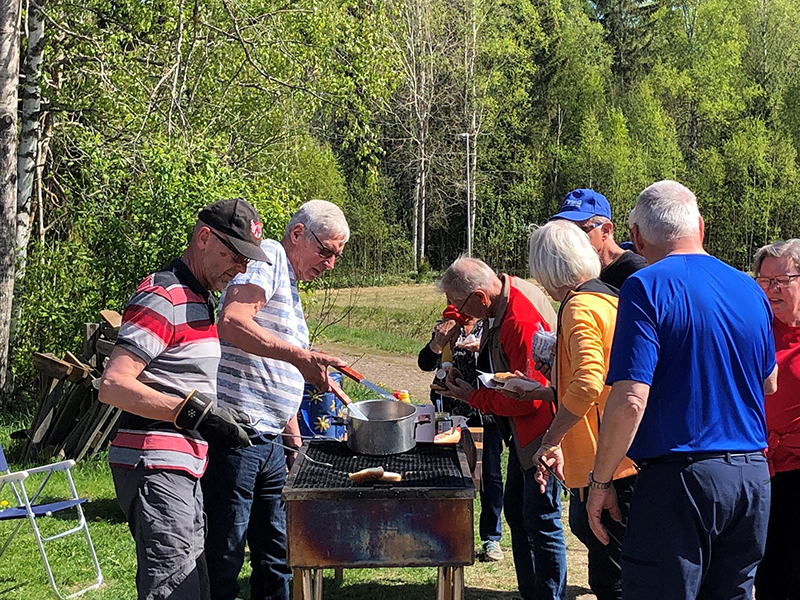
(268, 390)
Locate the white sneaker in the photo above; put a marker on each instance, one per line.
(491, 552)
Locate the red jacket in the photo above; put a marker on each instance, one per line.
(506, 346)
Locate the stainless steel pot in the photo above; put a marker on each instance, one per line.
(389, 428)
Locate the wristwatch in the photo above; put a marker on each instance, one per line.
(597, 485)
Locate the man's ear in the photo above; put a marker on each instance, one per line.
(297, 232)
(636, 238)
(702, 229)
(203, 237)
(608, 229)
(483, 297)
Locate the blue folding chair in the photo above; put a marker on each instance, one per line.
(27, 508)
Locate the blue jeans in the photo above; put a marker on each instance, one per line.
(242, 490)
(490, 527)
(696, 530)
(537, 537)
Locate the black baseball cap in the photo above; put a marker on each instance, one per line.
(239, 221)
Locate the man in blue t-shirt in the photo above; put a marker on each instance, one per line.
(692, 358)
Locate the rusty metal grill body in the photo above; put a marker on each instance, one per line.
(424, 520)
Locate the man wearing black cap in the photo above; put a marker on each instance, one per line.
(590, 211)
(163, 375)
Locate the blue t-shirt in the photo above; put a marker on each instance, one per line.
(699, 332)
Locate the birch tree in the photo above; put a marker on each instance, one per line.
(9, 74)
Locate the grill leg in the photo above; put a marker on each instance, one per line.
(338, 574)
(317, 584)
(444, 584)
(301, 585)
(458, 583)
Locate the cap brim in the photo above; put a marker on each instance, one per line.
(251, 251)
(573, 215)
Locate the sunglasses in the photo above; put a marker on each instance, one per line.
(324, 251)
(238, 257)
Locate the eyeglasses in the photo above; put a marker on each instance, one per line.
(324, 251)
(238, 257)
(781, 281)
(463, 304)
(589, 227)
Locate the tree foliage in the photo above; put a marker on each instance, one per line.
(137, 113)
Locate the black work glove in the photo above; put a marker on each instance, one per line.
(219, 426)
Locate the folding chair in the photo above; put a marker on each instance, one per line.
(27, 508)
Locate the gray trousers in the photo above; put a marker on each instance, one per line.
(164, 510)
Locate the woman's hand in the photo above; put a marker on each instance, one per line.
(443, 333)
(553, 457)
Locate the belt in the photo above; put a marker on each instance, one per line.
(689, 458)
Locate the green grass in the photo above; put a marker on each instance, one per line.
(22, 576)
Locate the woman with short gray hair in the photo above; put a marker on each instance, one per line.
(777, 271)
(564, 262)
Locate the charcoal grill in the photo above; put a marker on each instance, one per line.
(425, 520)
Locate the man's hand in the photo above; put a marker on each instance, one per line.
(292, 439)
(218, 425)
(553, 457)
(458, 388)
(596, 503)
(543, 368)
(314, 369)
(443, 333)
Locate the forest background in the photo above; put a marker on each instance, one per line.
(133, 114)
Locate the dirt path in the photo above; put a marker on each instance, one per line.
(389, 370)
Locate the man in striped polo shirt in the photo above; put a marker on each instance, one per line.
(265, 361)
(162, 373)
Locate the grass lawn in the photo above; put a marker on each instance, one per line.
(397, 319)
(22, 576)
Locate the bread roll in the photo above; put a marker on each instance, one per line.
(364, 475)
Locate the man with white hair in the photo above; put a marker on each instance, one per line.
(512, 310)
(265, 361)
(692, 358)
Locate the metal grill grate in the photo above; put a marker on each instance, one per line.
(424, 466)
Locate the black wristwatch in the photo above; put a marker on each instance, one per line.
(597, 485)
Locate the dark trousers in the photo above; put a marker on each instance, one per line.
(696, 529)
(242, 489)
(778, 575)
(605, 571)
(164, 510)
(490, 526)
(537, 537)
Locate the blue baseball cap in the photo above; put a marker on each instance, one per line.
(583, 204)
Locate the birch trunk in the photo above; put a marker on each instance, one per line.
(28, 154)
(9, 79)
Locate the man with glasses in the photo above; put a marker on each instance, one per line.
(512, 310)
(163, 375)
(590, 211)
(266, 360)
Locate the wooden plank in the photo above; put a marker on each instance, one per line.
(48, 409)
(104, 348)
(106, 432)
(94, 439)
(91, 331)
(67, 418)
(52, 366)
(112, 318)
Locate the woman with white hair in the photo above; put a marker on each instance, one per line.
(564, 262)
(777, 271)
